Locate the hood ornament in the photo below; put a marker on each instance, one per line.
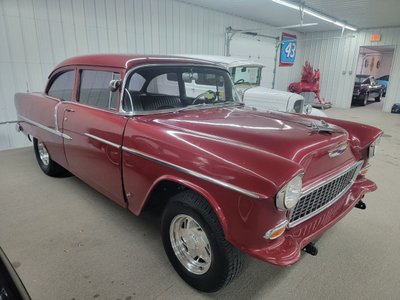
(321, 126)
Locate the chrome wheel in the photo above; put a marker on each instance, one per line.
(43, 154)
(190, 244)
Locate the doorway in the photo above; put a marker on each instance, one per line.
(372, 76)
(258, 49)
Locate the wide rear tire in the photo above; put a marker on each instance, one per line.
(195, 245)
(48, 166)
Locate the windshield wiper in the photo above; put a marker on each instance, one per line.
(192, 106)
(215, 104)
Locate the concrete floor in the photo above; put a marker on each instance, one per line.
(69, 242)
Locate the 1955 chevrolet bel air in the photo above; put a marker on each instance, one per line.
(171, 131)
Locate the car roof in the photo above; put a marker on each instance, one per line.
(226, 61)
(126, 61)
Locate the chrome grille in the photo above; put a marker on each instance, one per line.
(322, 196)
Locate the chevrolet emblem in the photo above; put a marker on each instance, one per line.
(338, 151)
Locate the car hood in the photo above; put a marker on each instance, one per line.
(263, 92)
(289, 136)
(228, 142)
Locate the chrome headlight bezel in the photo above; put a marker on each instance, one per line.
(373, 146)
(290, 194)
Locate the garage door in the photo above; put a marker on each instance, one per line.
(258, 49)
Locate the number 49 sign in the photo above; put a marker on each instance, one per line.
(288, 49)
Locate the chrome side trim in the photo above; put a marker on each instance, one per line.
(357, 165)
(48, 129)
(103, 140)
(114, 112)
(193, 173)
(56, 115)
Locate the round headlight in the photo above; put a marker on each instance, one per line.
(290, 194)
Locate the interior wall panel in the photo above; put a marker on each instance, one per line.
(37, 35)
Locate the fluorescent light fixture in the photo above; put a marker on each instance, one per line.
(317, 15)
(288, 4)
(314, 13)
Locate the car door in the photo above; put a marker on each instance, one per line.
(95, 127)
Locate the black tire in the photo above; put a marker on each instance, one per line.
(51, 168)
(363, 100)
(225, 260)
(378, 99)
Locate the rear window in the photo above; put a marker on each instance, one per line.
(62, 86)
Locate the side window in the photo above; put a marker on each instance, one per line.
(367, 81)
(62, 86)
(94, 89)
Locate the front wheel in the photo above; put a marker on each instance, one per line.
(48, 166)
(195, 245)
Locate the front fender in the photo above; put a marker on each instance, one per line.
(195, 187)
(361, 136)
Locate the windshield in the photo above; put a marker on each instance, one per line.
(178, 87)
(247, 75)
(361, 79)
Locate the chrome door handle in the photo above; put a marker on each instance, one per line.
(69, 110)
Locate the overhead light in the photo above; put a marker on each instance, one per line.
(288, 4)
(314, 13)
(317, 15)
(297, 26)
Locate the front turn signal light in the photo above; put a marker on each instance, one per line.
(276, 232)
(364, 170)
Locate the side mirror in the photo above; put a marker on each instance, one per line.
(114, 85)
(308, 109)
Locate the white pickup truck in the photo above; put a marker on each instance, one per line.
(246, 75)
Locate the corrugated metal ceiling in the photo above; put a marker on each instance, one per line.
(359, 13)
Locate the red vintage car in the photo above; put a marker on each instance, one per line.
(172, 132)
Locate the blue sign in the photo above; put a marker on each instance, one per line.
(288, 49)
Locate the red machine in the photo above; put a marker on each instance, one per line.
(309, 83)
(171, 132)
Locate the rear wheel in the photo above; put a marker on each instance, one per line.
(48, 166)
(194, 242)
(378, 99)
(363, 99)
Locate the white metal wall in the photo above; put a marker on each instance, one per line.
(35, 35)
(337, 60)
